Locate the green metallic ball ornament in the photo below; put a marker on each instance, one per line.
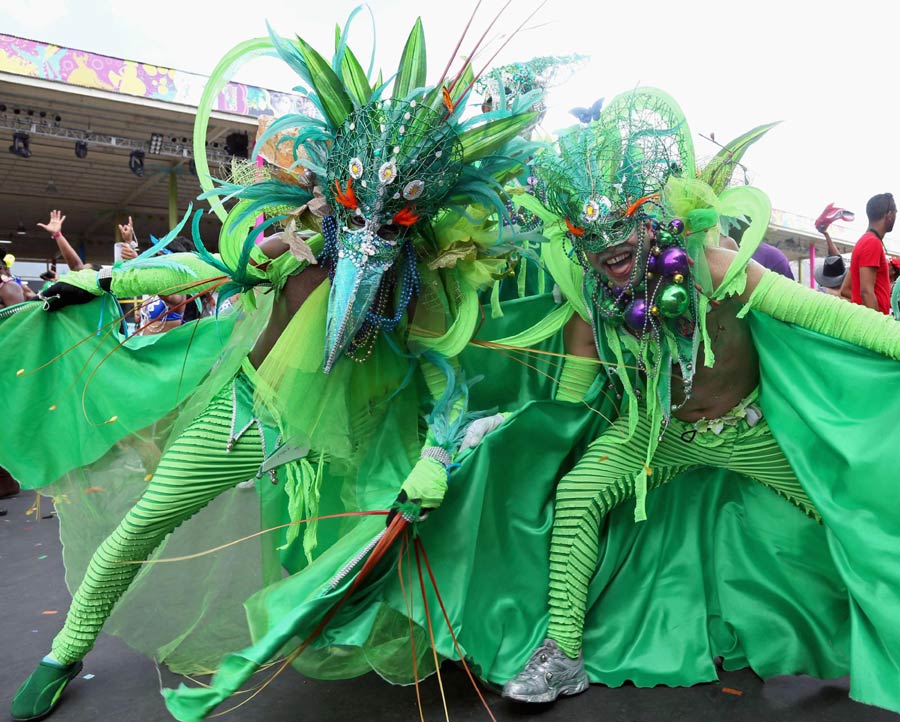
(673, 301)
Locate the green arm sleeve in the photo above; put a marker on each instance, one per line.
(786, 300)
(182, 272)
(576, 378)
(85, 279)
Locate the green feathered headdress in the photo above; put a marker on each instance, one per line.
(388, 157)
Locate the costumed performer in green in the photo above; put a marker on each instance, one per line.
(390, 177)
(661, 294)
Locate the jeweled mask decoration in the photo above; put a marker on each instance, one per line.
(377, 160)
(607, 183)
(392, 163)
(607, 171)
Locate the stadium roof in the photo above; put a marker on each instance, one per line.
(58, 96)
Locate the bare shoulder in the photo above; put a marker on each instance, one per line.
(719, 259)
(728, 242)
(579, 337)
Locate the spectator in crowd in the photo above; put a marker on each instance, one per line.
(161, 313)
(869, 278)
(893, 269)
(12, 290)
(71, 258)
(770, 257)
(49, 278)
(831, 272)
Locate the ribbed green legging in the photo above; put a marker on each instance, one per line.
(604, 478)
(193, 471)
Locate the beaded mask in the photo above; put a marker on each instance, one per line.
(606, 183)
(388, 158)
(392, 163)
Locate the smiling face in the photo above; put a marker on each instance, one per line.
(616, 263)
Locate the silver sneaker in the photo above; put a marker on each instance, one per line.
(547, 675)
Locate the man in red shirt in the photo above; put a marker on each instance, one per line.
(869, 281)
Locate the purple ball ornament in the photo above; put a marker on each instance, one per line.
(636, 314)
(672, 260)
(676, 226)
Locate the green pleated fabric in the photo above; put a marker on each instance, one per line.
(604, 478)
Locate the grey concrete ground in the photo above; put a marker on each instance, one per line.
(119, 685)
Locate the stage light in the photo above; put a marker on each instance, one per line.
(21, 230)
(81, 149)
(156, 141)
(20, 146)
(136, 163)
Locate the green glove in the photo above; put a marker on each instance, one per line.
(426, 483)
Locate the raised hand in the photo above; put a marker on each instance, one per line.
(54, 225)
(127, 231)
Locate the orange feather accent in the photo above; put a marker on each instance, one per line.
(448, 101)
(639, 202)
(573, 229)
(406, 217)
(346, 198)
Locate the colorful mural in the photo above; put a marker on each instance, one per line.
(88, 70)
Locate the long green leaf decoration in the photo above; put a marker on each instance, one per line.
(335, 102)
(413, 67)
(355, 80)
(484, 139)
(341, 40)
(290, 54)
(719, 170)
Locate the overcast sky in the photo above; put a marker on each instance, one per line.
(827, 70)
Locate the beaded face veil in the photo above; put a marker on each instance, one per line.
(392, 164)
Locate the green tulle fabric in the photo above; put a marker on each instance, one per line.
(83, 387)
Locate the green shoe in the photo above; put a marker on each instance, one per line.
(40, 693)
